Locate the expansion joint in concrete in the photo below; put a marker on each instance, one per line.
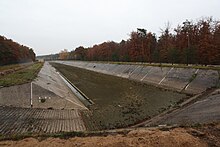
(165, 76)
(146, 74)
(187, 85)
(133, 71)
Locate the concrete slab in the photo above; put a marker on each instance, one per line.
(135, 72)
(108, 69)
(142, 73)
(156, 75)
(104, 68)
(90, 66)
(111, 67)
(204, 111)
(98, 67)
(123, 72)
(119, 70)
(205, 79)
(49, 79)
(79, 64)
(178, 78)
(18, 96)
(129, 70)
(16, 120)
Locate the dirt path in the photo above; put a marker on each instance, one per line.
(200, 136)
(178, 137)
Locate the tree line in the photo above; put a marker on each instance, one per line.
(12, 52)
(189, 43)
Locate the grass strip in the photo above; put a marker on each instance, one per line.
(22, 76)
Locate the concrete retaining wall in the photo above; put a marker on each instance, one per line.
(192, 81)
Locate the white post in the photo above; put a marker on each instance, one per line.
(31, 96)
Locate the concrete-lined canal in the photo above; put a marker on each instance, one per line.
(118, 102)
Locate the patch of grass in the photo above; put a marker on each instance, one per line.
(15, 137)
(62, 135)
(197, 125)
(66, 135)
(22, 76)
(12, 66)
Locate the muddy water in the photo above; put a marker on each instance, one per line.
(118, 102)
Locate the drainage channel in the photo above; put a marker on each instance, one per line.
(82, 97)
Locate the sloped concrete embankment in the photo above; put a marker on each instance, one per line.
(54, 107)
(48, 91)
(187, 80)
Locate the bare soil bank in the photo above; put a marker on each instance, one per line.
(118, 102)
(208, 135)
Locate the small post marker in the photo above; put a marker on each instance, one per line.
(31, 96)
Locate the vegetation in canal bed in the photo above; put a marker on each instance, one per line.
(21, 76)
(118, 102)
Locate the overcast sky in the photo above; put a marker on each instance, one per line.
(51, 25)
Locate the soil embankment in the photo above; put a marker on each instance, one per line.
(204, 136)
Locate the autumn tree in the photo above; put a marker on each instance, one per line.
(63, 55)
(216, 42)
(12, 52)
(205, 42)
(123, 52)
(189, 43)
(165, 43)
(78, 54)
